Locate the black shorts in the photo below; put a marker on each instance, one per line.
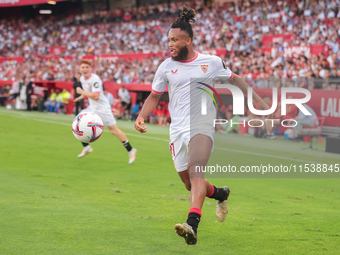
(126, 106)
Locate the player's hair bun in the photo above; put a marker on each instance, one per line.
(183, 22)
(188, 15)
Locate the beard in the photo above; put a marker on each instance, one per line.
(182, 54)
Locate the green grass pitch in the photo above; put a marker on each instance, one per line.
(51, 202)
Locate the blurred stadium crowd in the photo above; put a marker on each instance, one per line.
(238, 29)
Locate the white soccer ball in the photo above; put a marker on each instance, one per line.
(87, 127)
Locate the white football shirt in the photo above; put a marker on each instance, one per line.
(124, 95)
(95, 85)
(184, 79)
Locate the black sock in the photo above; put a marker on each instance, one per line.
(219, 194)
(127, 145)
(193, 220)
(85, 144)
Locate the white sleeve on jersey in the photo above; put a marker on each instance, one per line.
(221, 69)
(96, 84)
(160, 81)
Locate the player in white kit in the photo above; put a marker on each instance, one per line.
(191, 144)
(92, 87)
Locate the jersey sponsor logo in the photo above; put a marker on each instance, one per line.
(96, 85)
(174, 72)
(204, 68)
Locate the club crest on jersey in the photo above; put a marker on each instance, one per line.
(174, 72)
(204, 68)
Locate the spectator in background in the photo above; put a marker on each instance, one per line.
(232, 126)
(10, 91)
(50, 76)
(16, 86)
(5, 94)
(334, 73)
(136, 110)
(124, 101)
(43, 100)
(36, 98)
(66, 99)
(221, 111)
(79, 105)
(160, 114)
(51, 102)
(166, 117)
(305, 120)
(63, 99)
(109, 97)
(58, 103)
(152, 117)
(29, 92)
(333, 86)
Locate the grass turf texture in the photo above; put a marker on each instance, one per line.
(51, 202)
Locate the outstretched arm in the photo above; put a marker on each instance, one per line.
(94, 96)
(149, 105)
(239, 82)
